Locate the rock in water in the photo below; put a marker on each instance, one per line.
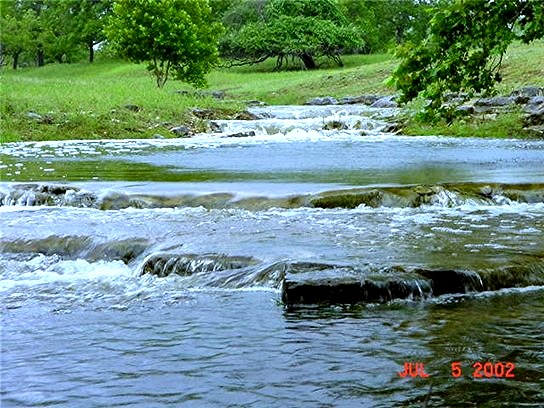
(165, 264)
(181, 131)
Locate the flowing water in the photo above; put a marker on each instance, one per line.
(273, 264)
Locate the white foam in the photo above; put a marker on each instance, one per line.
(40, 272)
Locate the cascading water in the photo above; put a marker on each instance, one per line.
(296, 259)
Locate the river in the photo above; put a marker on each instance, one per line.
(273, 264)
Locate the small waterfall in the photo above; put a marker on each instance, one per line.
(163, 265)
(450, 195)
(308, 284)
(79, 247)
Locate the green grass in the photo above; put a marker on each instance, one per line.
(360, 74)
(522, 66)
(86, 101)
(503, 126)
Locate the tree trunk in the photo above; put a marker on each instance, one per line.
(15, 60)
(91, 52)
(40, 58)
(308, 61)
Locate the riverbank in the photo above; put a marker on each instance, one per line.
(115, 99)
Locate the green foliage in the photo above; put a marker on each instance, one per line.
(464, 49)
(283, 29)
(86, 101)
(88, 21)
(177, 35)
(45, 30)
(383, 24)
(14, 35)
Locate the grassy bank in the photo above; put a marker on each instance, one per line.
(522, 66)
(115, 99)
(96, 101)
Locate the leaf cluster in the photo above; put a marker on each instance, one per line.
(176, 36)
(59, 30)
(463, 50)
(290, 28)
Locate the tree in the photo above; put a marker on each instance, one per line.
(88, 21)
(464, 49)
(386, 23)
(170, 35)
(15, 37)
(282, 29)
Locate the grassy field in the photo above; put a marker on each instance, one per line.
(94, 101)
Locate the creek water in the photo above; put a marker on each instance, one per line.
(153, 272)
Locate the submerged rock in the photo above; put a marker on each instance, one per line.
(165, 264)
(335, 125)
(249, 133)
(125, 250)
(79, 247)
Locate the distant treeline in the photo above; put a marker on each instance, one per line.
(37, 32)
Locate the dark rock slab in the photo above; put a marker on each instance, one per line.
(535, 101)
(385, 102)
(528, 91)
(535, 115)
(306, 283)
(249, 133)
(362, 99)
(315, 283)
(452, 281)
(181, 131)
(322, 100)
(495, 101)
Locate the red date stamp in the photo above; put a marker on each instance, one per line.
(486, 369)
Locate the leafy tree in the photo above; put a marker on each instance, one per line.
(282, 29)
(56, 20)
(464, 49)
(88, 21)
(15, 37)
(170, 35)
(386, 23)
(51, 29)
